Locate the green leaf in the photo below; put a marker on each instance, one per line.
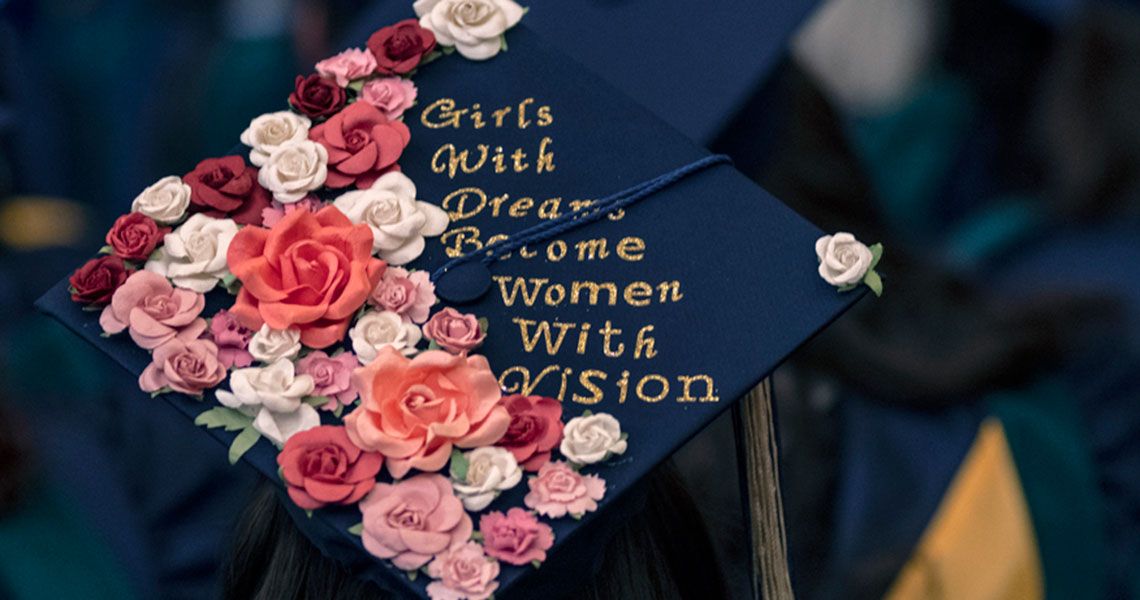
(242, 443)
(624, 436)
(316, 401)
(447, 49)
(433, 346)
(339, 410)
(587, 412)
(484, 324)
(309, 513)
(876, 255)
(576, 516)
(477, 536)
(847, 288)
(536, 563)
(503, 42)
(356, 85)
(160, 391)
(231, 283)
(93, 308)
(356, 529)
(459, 465)
(874, 282)
(222, 416)
(412, 575)
(106, 250)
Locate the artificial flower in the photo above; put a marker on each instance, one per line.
(96, 281)
(271, 131)
(272, 395)
(134, 236)
(517, 537)
(378, 329)
(193, 256)
(276, 211)
(332, 377)
(321, 466)
(164, 201)
(391, 95)
(362, 145)
(413, 411)
(535, 429)
(413, 520)
(399, 48)
(227, 187)
(474, 27)
(488, 472)
(558, 490)
(410, 295)
(294, 170)
(462, 573)
(232, 340)
(270, 345)
(187, 366)
(454, 331)
(398, 221)
(845, 262)
(311, 271)
(589, 439)
(350, 64)
(154, 311)
(317, 97)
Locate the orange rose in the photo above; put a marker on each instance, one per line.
(413, 410)
(310, 271)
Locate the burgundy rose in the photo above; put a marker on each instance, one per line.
(227, 187)
(96, 281)
(134, 236)
(454, 331)
(316, 96)
(535, 429)
(399, 48)
(363, 144)
(321, 466)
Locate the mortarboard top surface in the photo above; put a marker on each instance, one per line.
(716, 276)
(695, 65)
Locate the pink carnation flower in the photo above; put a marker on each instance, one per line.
(410, 295)
(353, 63)
(154, 311)
(332, 376)
(391, 95)
(517, 537)
(413, 520)
(558, 490)
(463, 573)
(277, 211)
(232, 340)
(188, 367)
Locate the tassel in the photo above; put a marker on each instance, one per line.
(770, 577)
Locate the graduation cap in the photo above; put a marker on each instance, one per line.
(623, 287)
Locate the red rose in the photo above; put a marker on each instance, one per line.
(321, 466)
(96, 281)
(134, 236)
(399, 48)
(316, 96)
(227, 187)
(363, 144)
(535, 429)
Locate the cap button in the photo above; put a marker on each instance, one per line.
(463, 283)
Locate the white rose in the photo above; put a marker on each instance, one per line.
(472, 26)
(592, 438)
(270, 345)
(376, 329)
(398, 221)
(272, 395)
(490, 470)
(843, 260)
(271, 131)
(194, 255)
(293, 170)
(165, 201)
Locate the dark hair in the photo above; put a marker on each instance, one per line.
(662, 552)
(13, 459)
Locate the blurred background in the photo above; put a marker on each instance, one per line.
(974, 433)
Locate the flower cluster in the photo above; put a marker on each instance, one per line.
(331, 349)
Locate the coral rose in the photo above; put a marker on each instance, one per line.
(310, 271)
(190, 367)
(413, 520)
(414, 410)
(321, 466)
(362, 144)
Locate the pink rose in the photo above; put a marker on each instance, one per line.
(353, 63)
(463, 573)
(232, 340)
(154, 310)
(277, 211)
(332, 376)
(413, 411)
(392, 95)
(321, 466)
(454, 331)
(559, 490)
(410, 295)
(413, 520)
(190, 367)
(517, 537)
(535, 430)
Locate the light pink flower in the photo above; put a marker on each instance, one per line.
(517, 537)
(353, 63)
(392, 95)
(410, 295)
(332, 376)
(463, 573)
(413, 520)
(232, 340)
(559, 490)
(277, 211)
(454, 331)
(154, 311)
(189, 367)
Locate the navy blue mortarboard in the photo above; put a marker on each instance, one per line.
(647, 279)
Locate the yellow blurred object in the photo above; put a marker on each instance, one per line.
(980, 544)
(31, 222)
